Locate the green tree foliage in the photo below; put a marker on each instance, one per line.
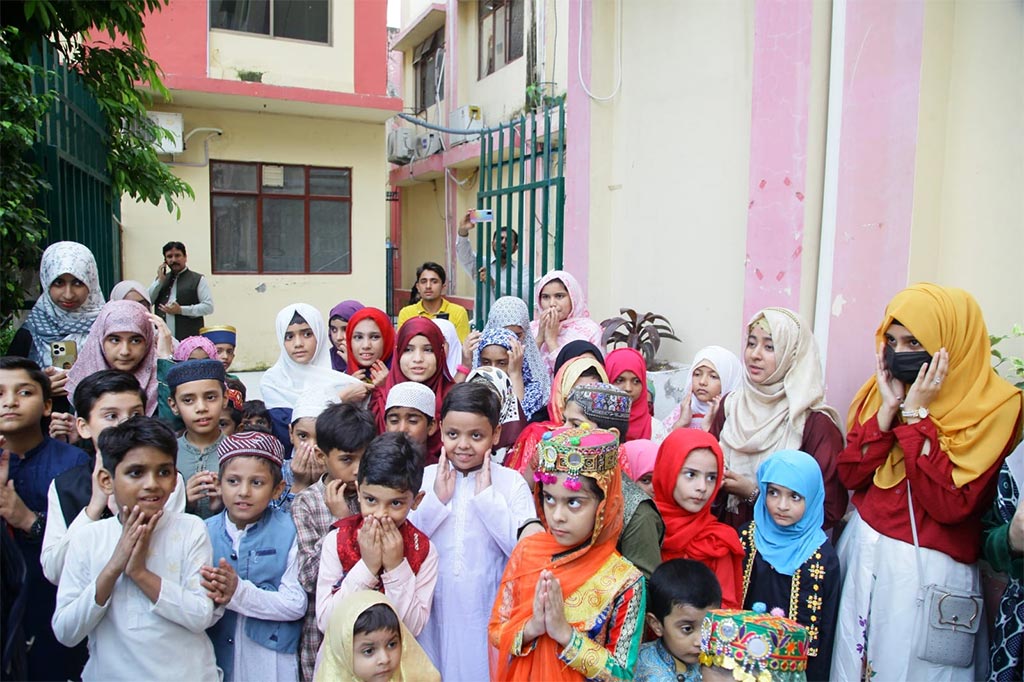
(103, 41)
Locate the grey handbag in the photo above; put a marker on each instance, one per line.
(949, 618)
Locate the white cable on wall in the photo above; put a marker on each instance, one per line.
(579, 58)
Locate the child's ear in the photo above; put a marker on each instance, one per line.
(47, 408)
(497, 436)
(84, 432)
(106, 480)
(278, 489)
(433, 427)
(173, 405)
(416, 500)
(655, 626)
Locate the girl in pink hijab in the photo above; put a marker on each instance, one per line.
(561, 315)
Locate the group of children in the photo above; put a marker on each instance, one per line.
(384, 513)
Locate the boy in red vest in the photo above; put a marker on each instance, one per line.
(380, 550)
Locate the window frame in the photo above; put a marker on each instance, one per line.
(259, 195)
(330, 27)
(419, 64)
(491, 16)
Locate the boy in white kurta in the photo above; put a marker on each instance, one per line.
(131, 582)
(472, 511)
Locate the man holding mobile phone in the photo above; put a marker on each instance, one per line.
(180, 296)
(503, 244)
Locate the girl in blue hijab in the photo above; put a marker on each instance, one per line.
(790, 565)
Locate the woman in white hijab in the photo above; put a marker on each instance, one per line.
(304, 365)
(714, 373)
(453, 346)
(780, 405)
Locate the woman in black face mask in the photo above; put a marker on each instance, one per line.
(932, 424)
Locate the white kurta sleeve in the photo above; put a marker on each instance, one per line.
(205, 305)
(413, 593)
(464, 252)
(77, 614)
(285, 604)
(502, 515)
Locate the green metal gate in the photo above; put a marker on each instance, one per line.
(72, 151)
(522, 182)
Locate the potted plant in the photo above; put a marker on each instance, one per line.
(644, 333)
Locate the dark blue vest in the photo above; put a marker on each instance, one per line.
(261, 559)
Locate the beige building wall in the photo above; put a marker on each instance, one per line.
(968, 226)
(293, 63)
(270, 139)
(423, 236)
(668, 193)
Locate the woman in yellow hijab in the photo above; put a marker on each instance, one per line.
(365, 642)
(935, 422)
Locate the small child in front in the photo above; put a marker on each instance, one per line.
(256, 573)
(752, 646)
(410, 409)
(569, 606)
(365, 642)
(472, 513)
(382, 550)
(197, 396)
(678, 597)
(342, 431)
(131, 582)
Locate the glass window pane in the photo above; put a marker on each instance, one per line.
(284, 235)
(284, 179)
(252, 16)
(237, 177)
(234, 234)
(329, 232)
(515, 30)
(302, 19)
(500, 33)
(487, 46)
(329, 181)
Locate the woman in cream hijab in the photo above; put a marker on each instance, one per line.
(780, 405)
(338, 659)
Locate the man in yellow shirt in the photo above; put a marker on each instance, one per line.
(430, 281)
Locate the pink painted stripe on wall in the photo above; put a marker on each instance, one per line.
(577, 160)
(778, 154)
(881, 89)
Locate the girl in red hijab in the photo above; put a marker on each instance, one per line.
(370, 345)
(420, 357)
(687, 476)
(628, 370)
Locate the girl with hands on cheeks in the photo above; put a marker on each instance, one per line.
(550, 620)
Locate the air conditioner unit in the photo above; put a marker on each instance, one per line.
(465, 118)
(175, 124)
(401, 145)
(429, 143)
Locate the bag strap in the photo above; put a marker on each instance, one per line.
(913, 532)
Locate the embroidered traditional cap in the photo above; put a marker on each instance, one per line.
(194, 370)
(756, 647)
(605, 402)
(221, 334)
(412, 394)
(582, 451)
(251, 444)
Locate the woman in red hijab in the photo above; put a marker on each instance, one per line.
(628, 370)
(687, 476)
(419, 357)
(370, 345)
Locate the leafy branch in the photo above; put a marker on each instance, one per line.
(1016, 364)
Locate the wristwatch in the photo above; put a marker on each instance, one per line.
(920, 413)
(38, 526)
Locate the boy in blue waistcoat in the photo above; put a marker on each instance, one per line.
(255, 583)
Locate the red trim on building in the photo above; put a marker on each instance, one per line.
(177, 38)
(370, 38)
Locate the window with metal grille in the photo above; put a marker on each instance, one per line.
(297, 19)
(500, 34)
(274, 218)
(428, 62)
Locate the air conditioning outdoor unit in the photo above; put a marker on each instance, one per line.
(465, 118)
(401, 145)
(429, 143)
(175, 123)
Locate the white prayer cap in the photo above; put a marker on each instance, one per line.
(414, 395)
